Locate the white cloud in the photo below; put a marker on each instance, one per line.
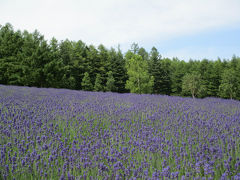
(113, 22)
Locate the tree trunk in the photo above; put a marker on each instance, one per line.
(193, 96)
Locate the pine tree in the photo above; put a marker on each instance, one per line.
(11, 66)
(54, 70)
(164, 79)
(143, 53)
(68, 82)
(238, 78)
(86, 82)
(229, 84)
(80, 63)
(178, 69)
(110, 82)
(93, 64)
(117, 66)
(155, 69)
(98, 83)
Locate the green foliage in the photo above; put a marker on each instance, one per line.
(192, 83)
(139, 79)
(98, 83)
(80, 63)
(164, 78)
(229, 84)
(110, 82)
(68, 82)
(154, 69)
(30, 60)
(117, 66)
(211, 77)
(86, 82)
(66, 52)
(93, 61)
(54, 70)
(178, 69)
(134, 48)
(143, 53)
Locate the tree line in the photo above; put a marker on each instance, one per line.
(27, 59)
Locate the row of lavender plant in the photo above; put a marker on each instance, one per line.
(64, 134)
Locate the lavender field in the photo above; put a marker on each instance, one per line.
(66, 134)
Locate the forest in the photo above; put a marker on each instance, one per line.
(28, 59)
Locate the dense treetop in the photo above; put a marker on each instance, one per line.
(27, 59)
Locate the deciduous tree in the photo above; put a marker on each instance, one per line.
(139, 79)
(192, 83)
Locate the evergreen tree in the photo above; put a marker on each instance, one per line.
(80, 62)
(110, 82)
(164, 79)
(160, 69)
(98, 83)
(66, 52)
(11, 67)
(104, 63)
(68, 82)
(211, 75)
(53, 70)
(28, 59)
(155, 69)
(36, 54)
(229, 84)
(143, 53)
(117, 66)
(86, 82)
(93, 62)
(134, 48)
(178, 69)
(237, 70)
(28, 54)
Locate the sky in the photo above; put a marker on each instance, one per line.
(187, 29)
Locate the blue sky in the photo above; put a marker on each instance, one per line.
(185, 29)
(211, 44)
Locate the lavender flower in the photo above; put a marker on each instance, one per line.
(75, 134)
